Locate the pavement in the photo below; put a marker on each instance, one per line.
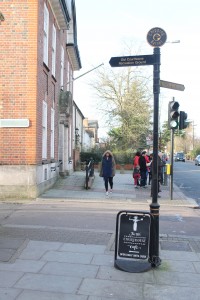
(41, 269)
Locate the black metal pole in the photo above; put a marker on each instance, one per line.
(172, 164)
(154, 206)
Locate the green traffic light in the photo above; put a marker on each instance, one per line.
(173, 114)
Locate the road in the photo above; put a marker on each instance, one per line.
(94, 221)
(187, 178)
(86, 222)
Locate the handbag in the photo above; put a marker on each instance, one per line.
(136, 171)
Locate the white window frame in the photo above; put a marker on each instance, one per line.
(44, 130)
(53, 51)
(52, 132)
(46, 35)
(62, 68)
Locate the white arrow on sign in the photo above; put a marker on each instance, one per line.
(172, 85)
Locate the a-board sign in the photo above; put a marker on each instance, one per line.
(133, 235)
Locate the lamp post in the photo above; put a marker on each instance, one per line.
(1, 17)
(77, 136)
(193, 134)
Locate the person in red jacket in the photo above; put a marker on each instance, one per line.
(136, 169)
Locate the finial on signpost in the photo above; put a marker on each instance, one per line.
(156, 37)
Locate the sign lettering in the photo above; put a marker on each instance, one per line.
(128, 61)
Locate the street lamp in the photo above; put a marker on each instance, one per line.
(73, 79)
(88, 71)
(77, 136)
(193, 125)
(1, 17)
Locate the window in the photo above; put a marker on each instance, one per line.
(44, 130)
(46, 35)
(52, 132)
(62, 67)
(54, 51)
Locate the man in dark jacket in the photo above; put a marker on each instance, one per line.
(143, 169)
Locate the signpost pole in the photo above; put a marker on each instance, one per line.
(156, 37)
(154, 206)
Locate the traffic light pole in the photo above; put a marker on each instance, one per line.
(154, 206)
(172, 164)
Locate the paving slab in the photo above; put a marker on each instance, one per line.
(38, 295)
(9, 293)
(9, 278)
(166, 292)
(110, 273)
(113, 289)
(71, 257)
(83, 248)
(20, 265)
(49, 283)
(178, 279)
(68, 269)
(36, 249)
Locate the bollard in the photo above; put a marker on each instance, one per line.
(168, 169)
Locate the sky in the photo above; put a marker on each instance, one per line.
(103, 29)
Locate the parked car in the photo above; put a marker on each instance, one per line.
(197, 160)
(180, 156)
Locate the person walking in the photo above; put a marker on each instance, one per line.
(107, 170)
(136, 169)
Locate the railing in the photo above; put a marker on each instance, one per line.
(89, 171)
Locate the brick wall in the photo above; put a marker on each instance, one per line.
(18, 44)
(25, 81)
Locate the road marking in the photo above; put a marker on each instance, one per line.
(179, 218)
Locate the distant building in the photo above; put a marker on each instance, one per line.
(39, 51)
(91, 132)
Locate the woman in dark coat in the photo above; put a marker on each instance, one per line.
(143, 169)
(107, 170)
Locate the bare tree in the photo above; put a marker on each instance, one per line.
(124, 99)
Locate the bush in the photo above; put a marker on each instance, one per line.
(85, 156)
(121, 157)
(124, 157)
(195, 152)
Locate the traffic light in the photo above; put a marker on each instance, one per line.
(173, 114)
(182, 120)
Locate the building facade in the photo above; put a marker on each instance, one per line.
(39, 53)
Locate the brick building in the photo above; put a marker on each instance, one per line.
(39, 53)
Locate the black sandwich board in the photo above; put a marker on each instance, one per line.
(132, 241)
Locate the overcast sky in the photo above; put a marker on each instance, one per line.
(104, 26)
